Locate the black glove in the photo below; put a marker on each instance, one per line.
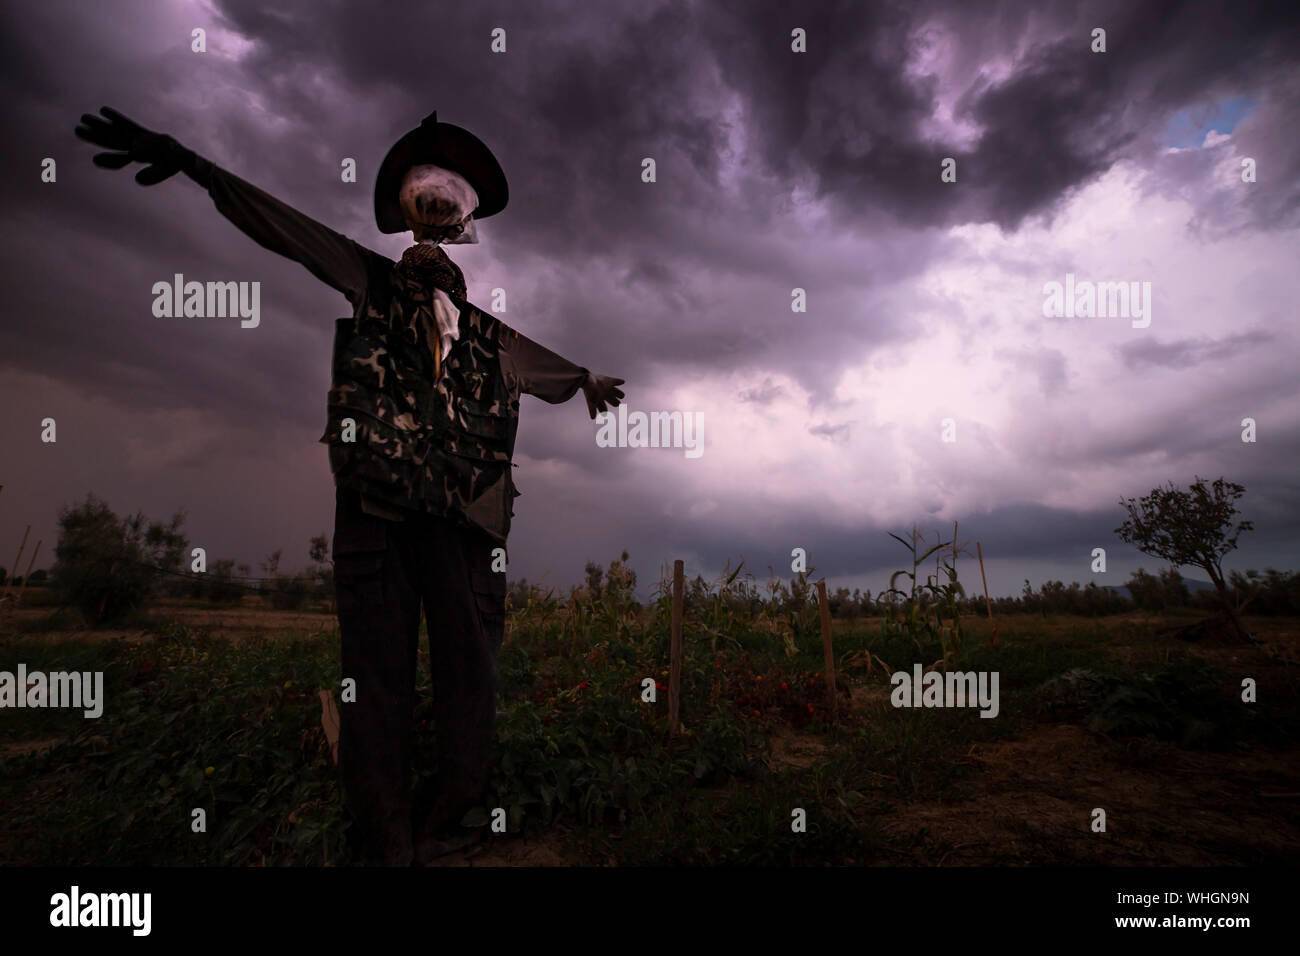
(600, 389)
(165, 157)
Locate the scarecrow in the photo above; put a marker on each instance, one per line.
(422, 414)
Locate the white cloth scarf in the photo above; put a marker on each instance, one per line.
(448, 318)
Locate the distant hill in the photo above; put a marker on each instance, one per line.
(1191, 584)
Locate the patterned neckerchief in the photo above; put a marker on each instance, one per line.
(426, 266)
(426, 263)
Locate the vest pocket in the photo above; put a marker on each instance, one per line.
(484, 426)
(472, 453)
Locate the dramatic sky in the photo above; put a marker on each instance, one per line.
(776, 170)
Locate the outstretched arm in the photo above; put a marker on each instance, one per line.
(553, 378)
(331, 257)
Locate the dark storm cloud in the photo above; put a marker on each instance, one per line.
(669, 284)
(579, 100)
(831, 432)
(762, 394)
(1069, 114)
(1188, 353)
(580, 96)
(848, 116)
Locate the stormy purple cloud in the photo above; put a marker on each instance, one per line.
(775, 171)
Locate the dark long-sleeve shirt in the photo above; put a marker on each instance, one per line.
(348, 266)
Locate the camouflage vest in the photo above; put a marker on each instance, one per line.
(442, 447)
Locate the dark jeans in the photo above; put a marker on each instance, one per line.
(384, 571)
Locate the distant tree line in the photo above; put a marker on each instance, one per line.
(1271, 592)
(39, 578)
(109, 567)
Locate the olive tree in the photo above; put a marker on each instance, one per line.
(1192, 528)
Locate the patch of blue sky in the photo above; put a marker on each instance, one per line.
(1189, 126)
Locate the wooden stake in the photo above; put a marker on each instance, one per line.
(14, 570)
(956, 624)
(675, 652)
(30, 564)
(827, 652)
(993, 639)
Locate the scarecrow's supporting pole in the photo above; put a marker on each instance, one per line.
(826, 648)
(675, 662)
(14, 569)
(329, 721)
(30, 564)
(993, 640)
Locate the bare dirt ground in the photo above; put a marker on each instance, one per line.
(247, 621)
(1164, 806)
(1030, 800)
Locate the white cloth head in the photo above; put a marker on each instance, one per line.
(436, 202)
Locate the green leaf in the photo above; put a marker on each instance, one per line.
(928, 553)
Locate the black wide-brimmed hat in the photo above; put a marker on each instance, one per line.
(445, 145)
